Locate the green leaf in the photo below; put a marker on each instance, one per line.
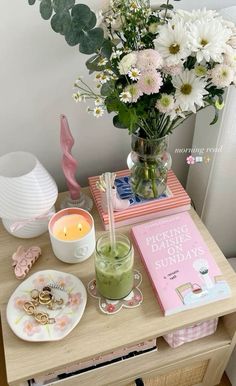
(92, 22)
(113, 103)
(60, 6)
(60, 23)
(107, 48)
(81, 11)
(215, 117)
(166, 6)
(91, 41)
(46, 9)
(83, 23)
(31, 2)
(73, 37)
(107, 88)
(117, 123)
(128, 117)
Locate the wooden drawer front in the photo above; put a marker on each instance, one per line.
(187, 372)
(187, 376)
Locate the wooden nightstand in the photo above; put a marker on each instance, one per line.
(198, 363)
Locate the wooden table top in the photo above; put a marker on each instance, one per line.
(96, 333)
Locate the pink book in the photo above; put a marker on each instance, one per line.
(183, 272)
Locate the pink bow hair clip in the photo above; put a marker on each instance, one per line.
(22, 260)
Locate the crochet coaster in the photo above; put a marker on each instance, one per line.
(108, 306)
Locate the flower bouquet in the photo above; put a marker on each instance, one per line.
(153, 69)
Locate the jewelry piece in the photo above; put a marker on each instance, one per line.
(43, 298)
(29, 308)
(56, 286)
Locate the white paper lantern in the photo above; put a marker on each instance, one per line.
(26, 188)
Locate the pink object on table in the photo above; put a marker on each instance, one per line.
(191, 333)
(69, 164)
(22, 260)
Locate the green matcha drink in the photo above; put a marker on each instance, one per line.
(114, 269)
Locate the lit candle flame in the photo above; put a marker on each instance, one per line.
(79, 226)
(65, 231)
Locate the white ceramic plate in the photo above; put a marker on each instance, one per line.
(72, 292)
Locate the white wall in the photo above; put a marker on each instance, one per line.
(37, 73)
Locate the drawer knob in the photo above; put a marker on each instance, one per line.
(139, 382)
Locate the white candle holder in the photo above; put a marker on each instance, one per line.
(73, 251)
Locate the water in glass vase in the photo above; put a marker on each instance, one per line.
(114, 269)
(150, 165)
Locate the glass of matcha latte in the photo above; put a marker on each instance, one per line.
(114, 268)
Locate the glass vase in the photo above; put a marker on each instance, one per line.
(114, 270)
(150, 165)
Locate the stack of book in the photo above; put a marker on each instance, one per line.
(174, 200)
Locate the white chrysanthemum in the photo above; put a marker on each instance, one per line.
(230, 57)
(98, 112)
(125, 97)
(134, 74)
(172, 43)
(186, 16)
(190, 90)
(153, 28)
(200, 70)
(127, 62)
(222, 75)
(166, 103)
(208, 39)
(134, 91)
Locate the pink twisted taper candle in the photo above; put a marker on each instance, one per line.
(69, 164)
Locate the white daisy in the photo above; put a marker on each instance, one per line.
(190, 90)
(98, 112)
(116, 54)
(77, 97)
(166, 103)
(102, 62)
(104, 78)
(172, 43)
(125, 97)
(208, 39)
(222, 75)
(134, 74)
(98, 101)
(134, 6)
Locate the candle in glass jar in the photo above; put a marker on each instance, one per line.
(71, 227)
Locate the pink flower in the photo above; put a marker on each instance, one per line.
(173, 70)
(64, 281)
(149, 60)
(190, 160)
(110, 308)
(19, 302)
(137, 298)
(31, 327)
(40, 281)
(222, 75)
(62, 323)
(150, 82)
(75, 299)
